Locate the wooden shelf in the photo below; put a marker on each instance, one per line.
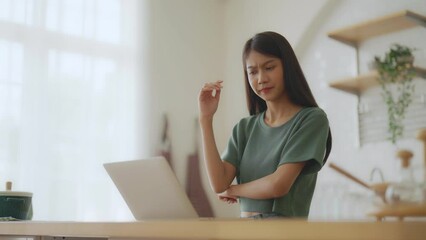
(400, 211)
(362, 82)
(355, 34)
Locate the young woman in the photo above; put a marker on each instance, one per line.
(276, 152)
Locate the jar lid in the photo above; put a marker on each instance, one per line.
(15, 194)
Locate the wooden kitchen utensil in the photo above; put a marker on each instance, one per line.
(378, 188)
(8, 186)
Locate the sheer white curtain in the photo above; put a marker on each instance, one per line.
(71, 81)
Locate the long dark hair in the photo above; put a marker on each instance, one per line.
(296, 86)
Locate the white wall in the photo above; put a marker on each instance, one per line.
(199, 41)
(187, 49)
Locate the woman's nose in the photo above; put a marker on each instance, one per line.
(261, 77)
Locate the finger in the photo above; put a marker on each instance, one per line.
(217, 93)
(219, 83)
(213, 85)
(211, 91)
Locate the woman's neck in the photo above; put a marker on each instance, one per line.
(279, 113)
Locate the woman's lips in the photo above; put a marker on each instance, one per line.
(265, 90)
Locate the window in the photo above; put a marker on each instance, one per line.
(68, 80)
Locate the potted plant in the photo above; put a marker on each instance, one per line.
(396, 73)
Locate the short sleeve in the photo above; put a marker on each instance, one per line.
(308, 142)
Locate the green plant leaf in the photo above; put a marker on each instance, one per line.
(396, 68)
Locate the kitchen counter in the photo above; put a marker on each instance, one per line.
(216, 229)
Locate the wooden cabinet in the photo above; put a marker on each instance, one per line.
(354, 35)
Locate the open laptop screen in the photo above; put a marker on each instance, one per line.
(150, 189)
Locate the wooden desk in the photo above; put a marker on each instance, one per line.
(216, 229)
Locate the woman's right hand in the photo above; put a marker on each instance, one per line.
(207, 102)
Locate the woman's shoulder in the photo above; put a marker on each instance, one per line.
(312, 112)
(245, 125)
(249, 121)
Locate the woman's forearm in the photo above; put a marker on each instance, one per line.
(274, 185)
(263, 188)
(219, 178)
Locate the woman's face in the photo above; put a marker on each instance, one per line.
(265, 75)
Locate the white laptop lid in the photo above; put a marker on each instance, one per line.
(150, 189)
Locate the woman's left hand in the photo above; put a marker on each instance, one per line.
(226, 197)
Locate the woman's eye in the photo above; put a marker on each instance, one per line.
(251, 72)
(270, 68)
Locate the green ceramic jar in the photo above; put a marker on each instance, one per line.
(16, 205)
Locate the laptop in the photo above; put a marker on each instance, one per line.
(150, 189)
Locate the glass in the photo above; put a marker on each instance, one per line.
(405, 192)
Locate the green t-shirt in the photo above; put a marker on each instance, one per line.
(257, 150)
